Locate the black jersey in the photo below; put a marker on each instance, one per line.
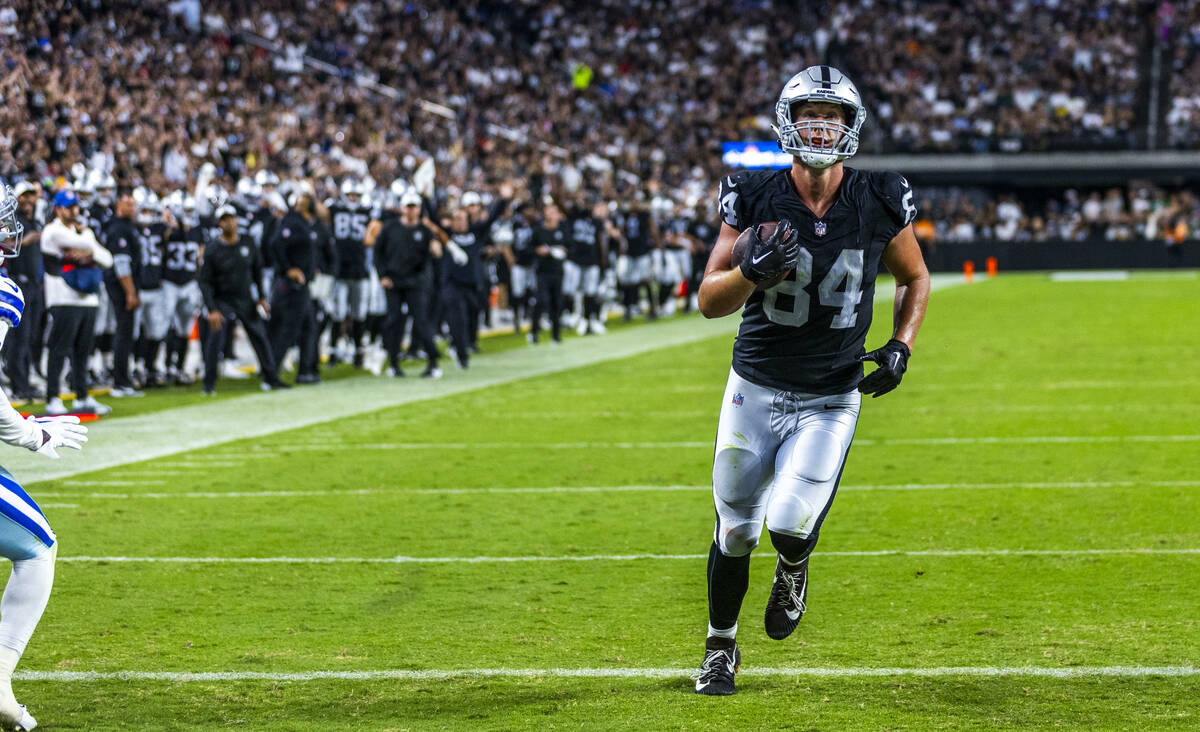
(522, 245)
(150, 275)
(706, 234)
(636, 227)
(349, 226)
(585, 236)
(229, 273)
(471, 273)
(123, 239)
(557, 239)
(806, 333)
(181, 256)
(402, 253)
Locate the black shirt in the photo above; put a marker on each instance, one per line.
(522, 245)
(294, 245)
(557, 239)
(228, 272)
(806, 333)
(585, 239)
(123, 238)
(325, 254)
(402, 253)
(150, 273)
(469, 274)
(637, 230)
(26, 267)
(349, 227)
(181, 257)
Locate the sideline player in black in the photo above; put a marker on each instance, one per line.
(294, 253)
(228, 279)
(404, 255)
(181, 262)
(349, 218)
(791, 403)
(550, 242)
(122, 238)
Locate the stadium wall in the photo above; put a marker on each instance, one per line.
(1062, 255)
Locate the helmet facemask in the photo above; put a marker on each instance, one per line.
(819, 143)
(11, 231)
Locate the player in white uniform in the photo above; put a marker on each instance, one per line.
(26, 538)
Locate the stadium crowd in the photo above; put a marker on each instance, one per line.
(1139, 213)
(545, 117)
(151, 90)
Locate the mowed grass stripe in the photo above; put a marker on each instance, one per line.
(1074, 672)
(588, 489)
(623, 557)
(688, 444)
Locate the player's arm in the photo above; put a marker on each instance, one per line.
(724, 288)
(902, 256)
(374, 228)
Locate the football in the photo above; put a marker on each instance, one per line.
(742, 245)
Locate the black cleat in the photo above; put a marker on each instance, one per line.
(786, 605)
(721, 661)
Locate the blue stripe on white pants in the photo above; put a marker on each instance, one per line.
(24, 531)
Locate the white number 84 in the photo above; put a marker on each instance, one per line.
(848, 268)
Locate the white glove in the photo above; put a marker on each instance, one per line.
(558, 252)
(457, 254)
(58, 432)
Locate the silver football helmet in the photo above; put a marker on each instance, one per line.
(828, 141)
(11, 231)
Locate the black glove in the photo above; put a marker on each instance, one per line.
(766, 259)
(893, 362)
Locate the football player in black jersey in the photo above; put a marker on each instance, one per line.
(792, 400)
(349, 219)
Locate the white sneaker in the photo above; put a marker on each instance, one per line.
(582, 328)
(90, 406)
(598, 327)
(13, 715)
(118, 392)
(230, 370)
(55, 407)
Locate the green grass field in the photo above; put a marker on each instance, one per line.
(1015, 521)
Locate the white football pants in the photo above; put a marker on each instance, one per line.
(778, 457)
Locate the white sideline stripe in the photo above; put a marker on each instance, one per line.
(218, 494)
(193, 463)
(145, 473)
(617, 557)
(120, 441)
(599, 489)
(59, 505)
(111, 483)
(1070, 672)
(602, 445)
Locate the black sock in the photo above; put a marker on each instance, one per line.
(357, 328)
(728, 578)
(793, 549)
(151, 355)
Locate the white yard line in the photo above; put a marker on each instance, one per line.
(588, 489)
(622, 557)
(1069, 672)
(116, 442)
(707, 444)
